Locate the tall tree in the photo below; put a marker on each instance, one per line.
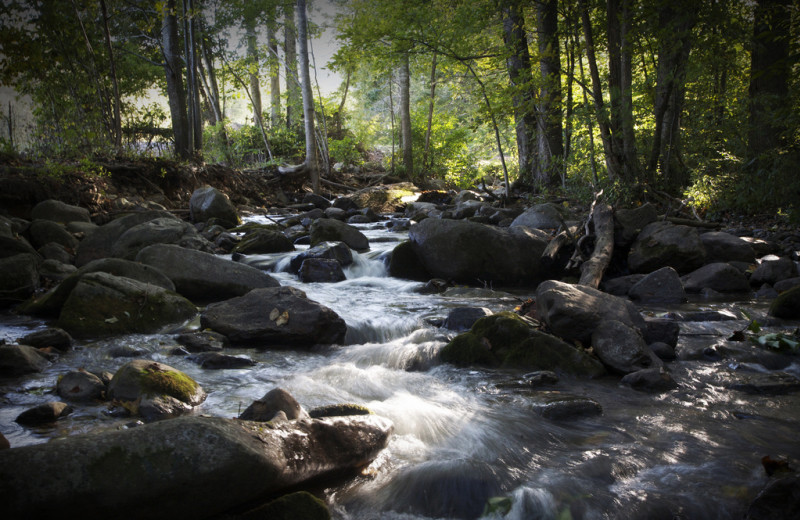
(113, 70)
(253, 62)
(293, 91)
(311, 162)
(192, 83)
(550, 139)
(173, 69)
(274, 73)
(404, 76)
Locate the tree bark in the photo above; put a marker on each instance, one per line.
(253, 66)
(193, 92)
(176, 95)
(549, 119)
(308, 97)
(274, 76)
(518, 64)
(114, 83)
(592, 270)
(294, 104)
(405, 116)
(622, 141)
(431, 101)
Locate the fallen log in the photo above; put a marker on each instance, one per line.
(554, 248)
(592, 270)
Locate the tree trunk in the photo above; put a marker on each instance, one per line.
(549, 119)
(209, 74)
(622, 144)
(176, 96)
(426, 165)
(405, 116)
(391, 116)
(592, 270)
(115, 84)
(308, 97)
(274, 76)
(518, 64)
(770, 67)
(294, 104)
(193, 92)
(253, 68)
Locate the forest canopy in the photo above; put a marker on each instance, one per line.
(664, 99)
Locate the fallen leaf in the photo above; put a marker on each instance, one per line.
(282, 319)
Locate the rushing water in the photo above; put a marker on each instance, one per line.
(465, 435)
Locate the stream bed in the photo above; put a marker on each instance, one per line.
(463, 436)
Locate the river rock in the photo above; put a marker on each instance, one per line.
(505, 339)
(49, 337)
(159, 231)
(188, 467)
(345, 203)
(338, 251)
(330, 230)
(321, 270)
(42, 232)
(80, 385)
(45, 413)
(724, 247)
(420, 210)
(338, 410)
(404, 263)
(100, 243)
(665, 330)
(17, 360)
(19, 278)
(263, 241)
(317, 200)
(154, 390)
(460, 319)
(203, 276)
(664, 351)
(540, 216)
(620, 347)
(573, 311)
(202, 341)
(275, 401)
(53, 272)
(779, 500)
(787, 305)
(208, 202)
(773, 383)
(58, 211)
(628, 223)
(16, 245)
(620, 285)
(102, 304)
(275, 316)
(552, 404)
(55, 251)
(297, 505)
(217, 361)
(773, 269)
(335, 213)
(788, 283)
(476, 253)
(661, 286)
(720, 277)
(663, 244)
(653, 380)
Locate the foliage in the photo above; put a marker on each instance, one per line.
(345, 151)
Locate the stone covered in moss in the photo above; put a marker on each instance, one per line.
(505, 339)
(339, 410)
(301, 504)
(787, 305)
(142, 378)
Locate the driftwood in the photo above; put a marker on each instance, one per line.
(592, 270)
(554, 247)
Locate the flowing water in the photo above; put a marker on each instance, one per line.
(463, 436)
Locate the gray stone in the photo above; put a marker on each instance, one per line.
(274, 401)
(474, 253)
(663, 350)
(573, 312)
(786, 284)
(264, 241)
(142, 378)
(787, 305)
(460, 319)
(203, 276)
(56, 251)
(778, 500)
(664, 330)
(317, 200)
(17, 360)
(662, 244)
(217, 361)
(188, 467)
(12, 246)
(404, 263)
(620, 347)
(49, 337)
(58, 211)
(556, 405)
(540, 216)
(661, 286)
(720, 277)
(620, 285)
(330, 230)
(42, 232)
(772, 270)
(80, 385)
(159, 231)
(652, 380)
(335, 213)
(208, 202)
(345, 203)
(19, 278)
(338, 251)
(202, 341)
(275, 316)
(628, 223)
(321, 270)
(100, 243)
(724, 247)
(43, 414)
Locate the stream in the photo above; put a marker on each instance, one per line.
(463, 436)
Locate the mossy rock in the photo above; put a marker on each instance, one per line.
(787, 305)
(506, 339)
(255, 226)
(294, 506)
(142, 378)
(339, 410)
(384, 199)
(262, 241)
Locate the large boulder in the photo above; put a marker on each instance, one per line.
(17, 360)
(661, 286)
(275, 316)
(203, 276)
(42, 232)
(16, 245)
(159, 231)
(724, 247)
(51, 337)
(263, 241)
(404, 263)
(787, 305)
(620, 347)
(663, 244)
(271, 404)
(505, 339)
(154, 390)
(58, 211)
(628, 223)
(474, 253)
(540, 216)
(338, 251)
(321, 270)
(208, 202)
(773, 269)
(573, 312)
(717, 276)
(19, 278)
(188, 467)
(100, 243)
(331, 230)
(460, 319)
(102, 304)
(80, 385)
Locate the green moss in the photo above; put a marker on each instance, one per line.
(291, 507)
(339, 410)
(786, 305)
(163, 382)
(468, 349)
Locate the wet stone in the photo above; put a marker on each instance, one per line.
(563, 406)
(778, 383)
(217, 361)
(44, 414)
